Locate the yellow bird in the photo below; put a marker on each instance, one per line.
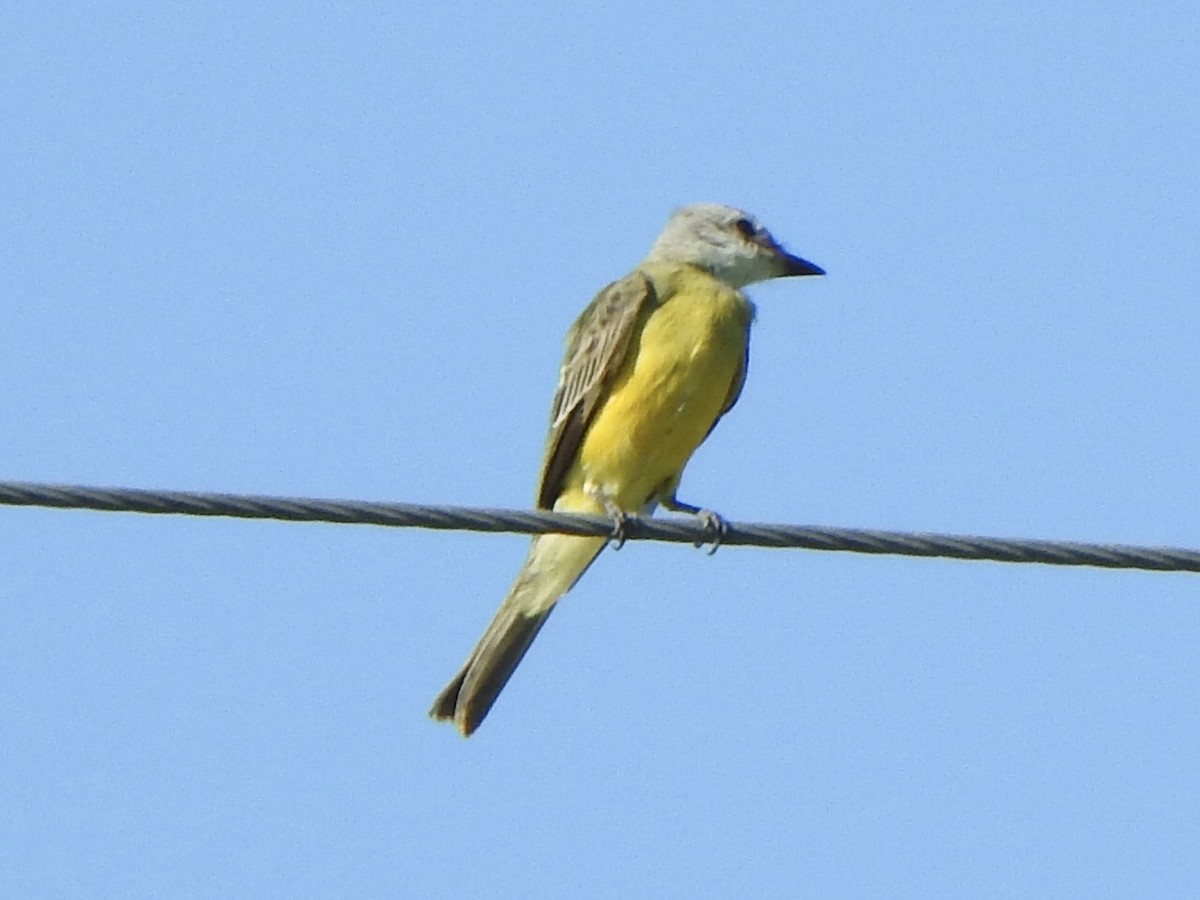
(650, 366)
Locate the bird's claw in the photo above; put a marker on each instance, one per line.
(620, 531)
(716, 529)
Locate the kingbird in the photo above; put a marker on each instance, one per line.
(651, 365)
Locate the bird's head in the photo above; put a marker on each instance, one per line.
(727, 242)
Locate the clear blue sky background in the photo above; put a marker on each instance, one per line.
(332, 251)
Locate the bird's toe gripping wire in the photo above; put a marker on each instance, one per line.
(714, 525)
(620, 520)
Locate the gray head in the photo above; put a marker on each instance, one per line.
(727, 242)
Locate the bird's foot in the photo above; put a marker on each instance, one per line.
(620, 519)
(715, 527)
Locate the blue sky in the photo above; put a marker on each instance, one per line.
(332, 251)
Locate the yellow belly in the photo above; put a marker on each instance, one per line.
(671, 388)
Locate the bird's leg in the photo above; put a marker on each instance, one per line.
(620, 518)
(716, 526)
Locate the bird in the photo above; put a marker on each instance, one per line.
(651, 365)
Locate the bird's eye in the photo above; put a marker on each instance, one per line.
(745, 228)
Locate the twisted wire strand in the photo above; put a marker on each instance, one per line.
(686, 531)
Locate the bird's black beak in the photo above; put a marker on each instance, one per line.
(794, 265)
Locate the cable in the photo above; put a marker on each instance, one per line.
(687, 531)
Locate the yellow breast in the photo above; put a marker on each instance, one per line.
(673, 384)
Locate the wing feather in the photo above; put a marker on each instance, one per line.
(596, 347)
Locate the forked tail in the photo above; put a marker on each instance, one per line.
(554, 564)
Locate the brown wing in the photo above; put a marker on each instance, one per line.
(596, 347)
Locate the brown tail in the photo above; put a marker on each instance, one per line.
(471, 693)
(554, 564)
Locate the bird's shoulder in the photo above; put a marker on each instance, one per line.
(599, 335)
(611, 307)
